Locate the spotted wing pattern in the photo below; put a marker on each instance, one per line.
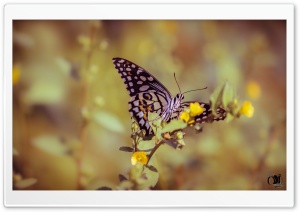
(206, 116)
(146, 92)
(149, 95)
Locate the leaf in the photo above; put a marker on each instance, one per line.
(25, 183)
(45, 92)
(152, 176)
(229, 117)
(109, 121)
(141, 183)
(176, 144)
(155, 123)
(125, 185)
(122, 178)
(126, 149)
(154, 119)
(174, 125)
(50, 144)
(216, 96)
(180, 144)
(136, 171)
(146, 146)
(228, 94)
(152, 168)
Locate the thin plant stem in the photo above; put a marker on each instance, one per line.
(154, 150)
(84, 104)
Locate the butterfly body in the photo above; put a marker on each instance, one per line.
(149, 95)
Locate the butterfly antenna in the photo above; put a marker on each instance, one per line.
(177, 83)
(195, 90)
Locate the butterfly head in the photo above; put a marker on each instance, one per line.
(179, 96)
(177, 100)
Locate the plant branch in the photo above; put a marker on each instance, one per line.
(154, 150)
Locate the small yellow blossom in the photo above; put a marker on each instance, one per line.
(139, 157)
(185, 116)
(247, 109)
(253, 90)
(16, 74)
(196, 109)
(191, 122)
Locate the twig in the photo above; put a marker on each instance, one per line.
(84, 104)
(154, 150)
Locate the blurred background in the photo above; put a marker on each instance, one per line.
(70, 110)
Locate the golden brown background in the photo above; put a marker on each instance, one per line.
(63, 74)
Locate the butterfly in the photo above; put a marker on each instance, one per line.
(147, 94)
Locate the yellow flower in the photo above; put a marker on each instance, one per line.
(253, 90)
(139, 157)
(185, 116)
(16, 74)
(196, 109)
(191, 122)
(247, 109)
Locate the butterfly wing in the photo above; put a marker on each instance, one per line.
(147, 93)
(207, 115)
(142, 103)
(138, 80)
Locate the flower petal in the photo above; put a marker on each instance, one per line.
(185, 116)
(247, 109)
(196, 109)
(139, 157)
